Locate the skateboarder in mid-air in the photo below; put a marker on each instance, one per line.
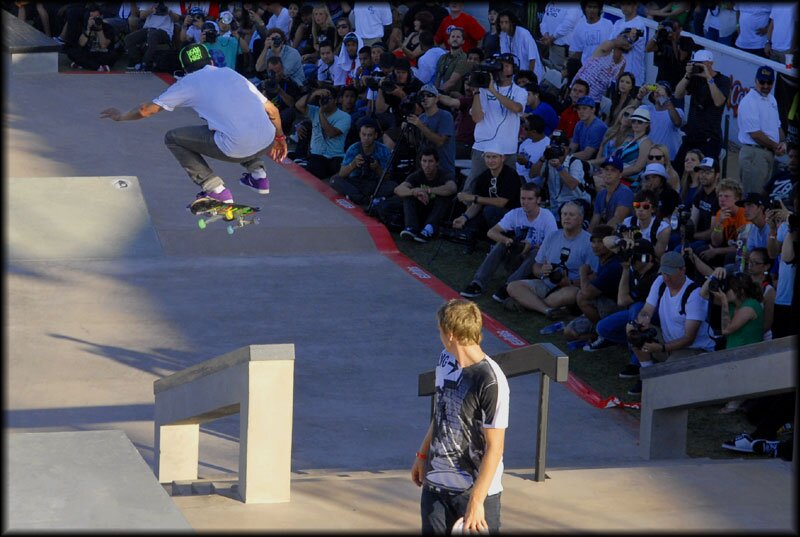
(243, 125)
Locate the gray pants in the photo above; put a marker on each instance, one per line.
(558, 56)
(755, 168)
(479, 166)
(189, 144)
(492, 262)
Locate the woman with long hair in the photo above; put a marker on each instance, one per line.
(423, 22)
(616, 134)
(343, 27)
(634, 150)
(321, 27)
(622, 94)
(689, 182)
(659, 153)
(395, 39)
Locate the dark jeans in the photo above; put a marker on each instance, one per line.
(92, 60)
(143, 44)
(189, 144)
(359, 190)
(433, 212)
(323, 167)
(441, 510)
(486, 219)
(709, 147)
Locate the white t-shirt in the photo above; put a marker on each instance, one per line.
(283, 21)
(784, 17)
(634, 59)
(499, 126)
(559, 20)
(425, 70)
(758, 113)
(752, 16)
(533, 151)
(722, 19)
(673, 326)
(586, 37)
(523, 47)
(231, 104)
(534, 230)
(370, 18)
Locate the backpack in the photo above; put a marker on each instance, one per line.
(684, 299)
(588, 206)
(653, 228)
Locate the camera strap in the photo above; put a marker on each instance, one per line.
(684, 299)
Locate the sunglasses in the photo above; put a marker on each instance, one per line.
(637, 121)
(655, 157)
(641, 205)
(766, 82)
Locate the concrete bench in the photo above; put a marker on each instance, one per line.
(26, 49)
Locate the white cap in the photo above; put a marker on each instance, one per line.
(493, 148)
(226, 17)
(642, 113)
(655, 169)
(703, 56)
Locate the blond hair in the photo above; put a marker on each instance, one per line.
(461, 319)
(317, 29)
(731, 184)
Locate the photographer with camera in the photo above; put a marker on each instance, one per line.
(329, 128)
(556, 268)
(97, 46)
(614, 202)
(782, 242)
(395, 92)
(597, 296)
(709, 91)
(671, 51)
(647, 223)
(705, 203)
(158, 28)
(223, 46)
(562, 176)
(496, 110)
(363, 165)
(452, 66)
(517, 238)
(192, 27)
(437, 127)
(682, 330)
(742, 320)
(282, 91)
(428, 193)
(276, 46)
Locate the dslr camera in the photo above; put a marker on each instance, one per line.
(374, 80)
(97, 23)
(277, 41)
(641, 335)
(560, 270)
(622, 229)
(682, 220)
(409, 105)
(482, 76)
(664, 31)
(211, 35)
(697, 67)
(554, 151)
(715, 284)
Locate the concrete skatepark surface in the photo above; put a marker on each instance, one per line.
(118, 288)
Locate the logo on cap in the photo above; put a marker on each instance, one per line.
(765, 73)
(194, 54)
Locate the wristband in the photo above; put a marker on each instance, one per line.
(773, 237)
(421, 456)
(466, 217)
(281, 137)
(710, 81)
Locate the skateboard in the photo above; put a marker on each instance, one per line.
(212, 210)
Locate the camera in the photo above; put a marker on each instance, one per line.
(640, 335)
(277, 41)
(325, 100)
(97, 22)
(560, 270)
(387, 85)
(621, 229)
(697, 68)
(482, 76)
(664, 31)
(161, 9)
(682, 220)
(409, 105)
(373, 81)
(554, 151)
(715, 284)
(210, 35)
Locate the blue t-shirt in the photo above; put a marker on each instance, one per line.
(607, 277)
(589, 135)
(224, 50)
(622, 196)
(442, 123)
(548, 114)
(663, 130)
(786, 273)
(321, 144)
(757, 238)
(580, 252)
(380, 152)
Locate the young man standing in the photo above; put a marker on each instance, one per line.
(519, 41)
(591, 30)
(242, 124)
(453, 65)
(459, 464)
(634, 56)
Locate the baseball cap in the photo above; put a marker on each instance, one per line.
(429, 88)
(211, 25)
(703, 55)
(194, 57)
(765, 73)
(753, 197)
(350, 37)
(655, 169)
(642, 114)
(616, 162)
(602, 231)
(708, 162)
(493, 148)
(585, 101)
(226, 17)
(671, 262)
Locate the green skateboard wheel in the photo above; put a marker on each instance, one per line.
(201, 223)
(230, 230)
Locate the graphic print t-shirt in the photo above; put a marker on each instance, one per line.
(468, 400)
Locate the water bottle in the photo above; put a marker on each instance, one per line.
(577, 344)
(552, 329)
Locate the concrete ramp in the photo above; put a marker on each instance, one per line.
(94, 480)
(95, 217)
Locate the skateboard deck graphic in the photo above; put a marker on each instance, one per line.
(211, 210)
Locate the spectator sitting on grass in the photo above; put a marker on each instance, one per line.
(614, 202)
(597, 296)
(364, 163)
(517, 236)
(556, 268)
(97, 46)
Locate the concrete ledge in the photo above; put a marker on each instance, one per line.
(19, 36)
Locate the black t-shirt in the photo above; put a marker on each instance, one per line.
(705, 118)
(668, 200)
(670, 67)
(291, 88)
(418, 179)
(639, 285)
(708, 205)
(508, 185)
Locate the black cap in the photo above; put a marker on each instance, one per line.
(753, 197)
(643, 247)
(602, 231)
(194, 57)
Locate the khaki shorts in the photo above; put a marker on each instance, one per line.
(538, 287)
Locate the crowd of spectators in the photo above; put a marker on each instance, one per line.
(600, 194)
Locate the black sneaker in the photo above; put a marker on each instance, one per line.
(500, 295)
(597, 344)
(409, 234)
(630, 371)
(471, 291)
(636, 389)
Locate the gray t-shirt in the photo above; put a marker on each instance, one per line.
(442, 123)
(580, 252)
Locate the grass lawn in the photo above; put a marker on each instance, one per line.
(454, 266)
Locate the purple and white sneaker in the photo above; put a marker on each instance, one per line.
(225, 196)
(259, 185)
